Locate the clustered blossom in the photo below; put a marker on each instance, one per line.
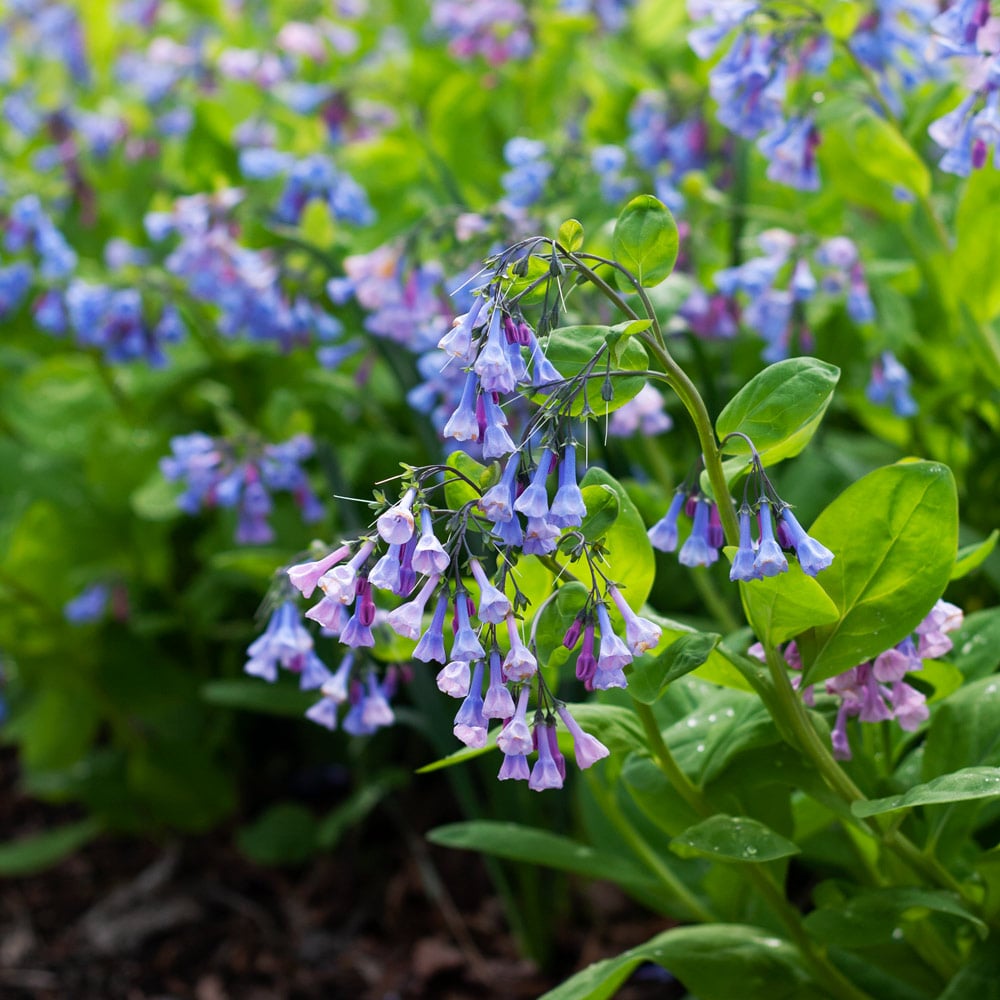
(966, 29)
(890, 384)
(244, 285)
(486, 662)
(524, 183)
(665, 146)
(496, 30)
(876, 691)
(779, 284)
(308, 179)
(217, 472)
(778, 531)
(749, 84)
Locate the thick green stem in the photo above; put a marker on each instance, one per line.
(827, 973)
(798, 722)
(650, 857)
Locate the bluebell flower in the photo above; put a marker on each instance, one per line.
(464, 425)
(698, 550)
(568, 508)
(813, 556)
(15, 280)
(890, 383)
(534, 501)
(88, 606)
(498, 703)
(663, 534)
(471, 724)
(770, 560)
(284, 641)
(743, 567)
(466, 645)
(431, 645)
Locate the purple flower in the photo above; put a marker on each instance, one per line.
(498, 703)
(283, 641)
(770, 560)
(519, 664)
(698, 550)
(406, 620)
(453, 679)
(663, 534)
(568, 508)
(305, 576)
(494, 605)
(813, 556)
(466, 646)
(515, 737)
(640, 633)
(431, 645)
(890, 383)
(743, 567)
(463, 424)
(587, 749)
(534, 501)
(613, 653)
(396, 524)
(545, 773)
(470, 724)
(88, 606)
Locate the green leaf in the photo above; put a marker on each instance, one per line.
(284, 834)
(975, 279)
(780, 607)
(884, 153)
(258, 696)
(783, 403)
(959, 786)
(977, 644)
(35, 853)
(645, 240)
(556, 617)
(971, 557)
(651, 674)
(714, 962)
(732, 838)
(540, 847)
(570, 235)
(457, 491)
(872, 917)
(602, 511)
(841, 18)
(893, 535)
(572, 348)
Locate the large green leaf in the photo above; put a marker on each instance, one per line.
(714, 962)
(780, 607)
(651, 675)
(894, 535)
(873, 916)
(960, 786)
(732, 838)
(977, 644)
(974, 278)
(778, 405)
(39, 851)
(645, 240)
(885, 153)
(572, 348)
(552, 850)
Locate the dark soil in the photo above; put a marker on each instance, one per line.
(382, 917)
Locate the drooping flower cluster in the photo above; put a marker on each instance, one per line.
(217, 472)
(967, 30)
(307, 179)
(749, 84)
(486, 662)
(244, 285)
(496, 30)
(779, 284)
(524, 183)
(877, 691)
(890, 384)
(778, 531)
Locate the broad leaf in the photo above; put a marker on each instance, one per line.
(893, 535)
(39, 851)
(780, 607)
(552, 850)
(872, 917)
(778, 404)
(650, 675)
(733, 838)
(572, 348)
(714, 962)
(645, 240)
(960, 786)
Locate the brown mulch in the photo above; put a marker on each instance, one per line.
(378, 919)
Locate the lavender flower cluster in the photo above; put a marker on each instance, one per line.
(779, 283)
(876, 691)
(217, 472)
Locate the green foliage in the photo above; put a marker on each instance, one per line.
(645, 240)
(732, 838)
(894, 536)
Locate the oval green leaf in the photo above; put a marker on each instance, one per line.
(783, 403)
(894, 535)
(960, 786)
(732, 838)
(645, 240)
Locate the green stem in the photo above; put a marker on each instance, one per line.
(827, 973)
(797, 720)
(674, 886)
